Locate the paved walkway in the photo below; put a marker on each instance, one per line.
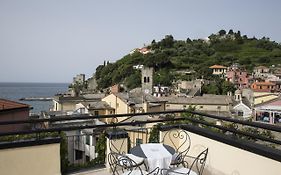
(102, 171)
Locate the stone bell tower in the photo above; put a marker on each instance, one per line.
(147, 80)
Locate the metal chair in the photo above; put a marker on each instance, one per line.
(123, 165)
(196, 167)
(180, 141)
(116, 145)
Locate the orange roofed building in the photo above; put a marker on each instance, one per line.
(218, 69)
(10, 111)
(263, 86)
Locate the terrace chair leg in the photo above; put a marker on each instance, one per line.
(145, 166)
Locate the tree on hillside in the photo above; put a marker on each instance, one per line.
(210, 89)
(219, 87)
(104, 75)
(163, 77)
(222, 32)
(170, 55)
(188, 40)
(167, 42)
(230, 32)
(134, 80)
(227, 87)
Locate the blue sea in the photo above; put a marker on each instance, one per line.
(15, 91)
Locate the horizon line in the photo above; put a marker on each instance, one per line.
(33, 82)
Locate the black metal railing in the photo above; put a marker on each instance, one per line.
(191, 119)
(139, 133)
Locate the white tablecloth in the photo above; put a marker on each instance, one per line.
(157, 155)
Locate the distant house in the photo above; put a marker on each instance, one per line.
(269, 112)
(81, 144)
(65, 103)
(10, 111)
(95, 108)
(218, 70)
(238, 77)
(261, 70)
(134, 102)
(263, 97)
(68, 103)
(263, 86)
(215, 104)
(143, 50)
(242, 106)
(242, 110)
(190, 88)
(159, 91)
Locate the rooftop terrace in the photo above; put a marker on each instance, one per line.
(235, 146)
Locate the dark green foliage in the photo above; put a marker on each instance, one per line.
(63, 153)
(227, 87)
(133, 80)
(230, 32)
(164, 77)
(211, 89)
(100, 149)
(222, 32)
(218, 87)
(226, 46)
(188, 115)
(250, 130)
(154, 134)
(169, 55)
(167, 42)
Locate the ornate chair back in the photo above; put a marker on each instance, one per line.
(180, 141)
(199, 163)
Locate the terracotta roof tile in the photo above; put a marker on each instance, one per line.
(264, 83)
(8, 104)
(217, 67)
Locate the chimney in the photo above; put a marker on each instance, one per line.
(115, 88)
(145, 106)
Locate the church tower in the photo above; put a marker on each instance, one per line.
(147, 80)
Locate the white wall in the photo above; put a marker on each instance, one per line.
(247, 112)
(31, 160)
(224, 159)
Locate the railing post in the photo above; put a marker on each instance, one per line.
(116, 141)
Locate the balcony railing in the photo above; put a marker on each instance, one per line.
(230, 141)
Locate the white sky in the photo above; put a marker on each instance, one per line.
(52, 41)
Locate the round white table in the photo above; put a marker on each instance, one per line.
(156, 154)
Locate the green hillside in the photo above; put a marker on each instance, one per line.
(169, 55)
